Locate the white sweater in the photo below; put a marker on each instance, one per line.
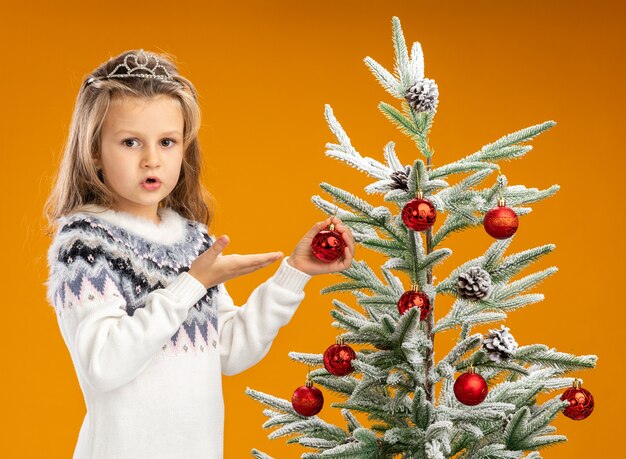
(149, 343)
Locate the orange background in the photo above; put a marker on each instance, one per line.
(264, 72)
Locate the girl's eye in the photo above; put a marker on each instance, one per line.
(125, 142)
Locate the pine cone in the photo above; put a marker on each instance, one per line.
(400, 179)
(507, 419)
(474, 284)
(423, 95)
(499, 344)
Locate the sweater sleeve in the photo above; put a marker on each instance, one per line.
(108, 346)
(246, 333)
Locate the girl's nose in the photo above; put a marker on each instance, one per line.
(151, 155)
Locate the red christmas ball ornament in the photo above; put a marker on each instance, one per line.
(328, 245)
(419, 214)
(501, 222)
(307, 400)
(338, 358)
(415, 298)
(580, 402)
(470, 388)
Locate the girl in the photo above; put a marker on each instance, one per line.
(137, 281)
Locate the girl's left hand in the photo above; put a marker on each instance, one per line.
(304, 260)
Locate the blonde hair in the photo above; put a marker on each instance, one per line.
(78, 183)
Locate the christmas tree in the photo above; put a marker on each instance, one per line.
(487, 405)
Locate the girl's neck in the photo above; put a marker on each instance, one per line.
(146, 213)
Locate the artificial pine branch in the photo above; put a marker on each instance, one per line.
(395, 374)
(260, 454)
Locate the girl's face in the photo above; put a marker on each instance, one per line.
(140, 138)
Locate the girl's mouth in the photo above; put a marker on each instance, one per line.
(151, 184)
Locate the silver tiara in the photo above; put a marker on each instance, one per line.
(137, 65)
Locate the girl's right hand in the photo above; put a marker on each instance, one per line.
(212, 268)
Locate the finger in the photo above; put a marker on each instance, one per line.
(350, 245)
(347, 236)
(350, 235)
(343, 263)
(217, 247)
(274, 256)
(324, 224)
(337, 223)
(261, 258)
(223, 239)
(347, 260)
(246, 269)
(343, 228)
(319, 226)
(345, 231)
